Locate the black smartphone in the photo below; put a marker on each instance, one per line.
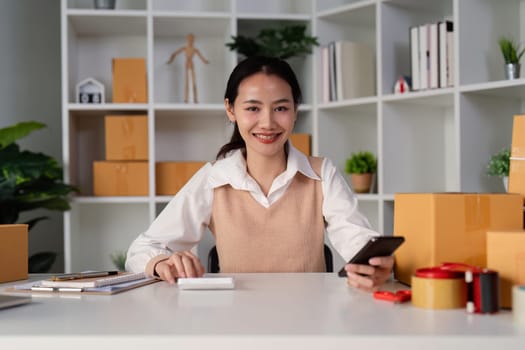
(376, 246)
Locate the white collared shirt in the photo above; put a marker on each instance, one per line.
(182, 224)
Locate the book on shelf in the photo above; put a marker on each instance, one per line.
(446, 53)
(325, 75)
(355, 70)
(433, 56)
(414, 57)
(94, 282)
(424, 66)
(332, 71)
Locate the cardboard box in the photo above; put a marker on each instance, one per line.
(13, 252)
(126, 137)
(449, 227)
(129, 80)
(518, 137)
(170, 177)
(506, 255)
(301, 142)
(111, 178)
(517, 176)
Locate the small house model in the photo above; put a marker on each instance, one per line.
(90, 91)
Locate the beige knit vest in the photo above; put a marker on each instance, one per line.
(286, 237)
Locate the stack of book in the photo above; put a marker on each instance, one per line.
(347, 71)
(108, 282)
(432, 55)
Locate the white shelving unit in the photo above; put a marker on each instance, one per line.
(433, 140)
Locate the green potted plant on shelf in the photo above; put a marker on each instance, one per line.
(512, 53)
(499, 165)
(361, 166)
(28, 181)
(118, 259)
(284, 42)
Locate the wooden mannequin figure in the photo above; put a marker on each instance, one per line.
(190, 51)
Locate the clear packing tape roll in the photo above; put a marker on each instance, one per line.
(518, 304)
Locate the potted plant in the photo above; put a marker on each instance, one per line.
(28, 181)
(499, 165)
(512, 53)
(361, 166)
(284, 42)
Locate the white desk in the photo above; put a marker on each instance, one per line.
(265, 311)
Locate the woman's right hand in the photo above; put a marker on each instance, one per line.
(179, 264)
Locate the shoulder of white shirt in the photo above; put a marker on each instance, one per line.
(232, 168)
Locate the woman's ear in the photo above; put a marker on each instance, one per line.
(229, 110)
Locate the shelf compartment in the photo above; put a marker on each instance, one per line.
(185, 6)
(503, 88)
(347, 130)
(170, 34)
(101, 229)
(483, 22)
(418, 151)
(435, 97)
(274, 7)
(190, 135)
(328, 7)
(488, 119)
(87, 144)
(93, 43)
(353, 24)
(397, 18)
(119, 5)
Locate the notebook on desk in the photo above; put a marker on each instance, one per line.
(37, 287)
(94, 282)
(11, 300)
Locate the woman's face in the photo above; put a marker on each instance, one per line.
(265, 113)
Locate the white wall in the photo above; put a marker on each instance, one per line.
(30, 90)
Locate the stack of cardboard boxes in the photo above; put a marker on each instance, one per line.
(481, 229)
(125, 170)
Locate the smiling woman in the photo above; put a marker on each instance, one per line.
(267, 204)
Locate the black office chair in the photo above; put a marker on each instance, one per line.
(213, 260)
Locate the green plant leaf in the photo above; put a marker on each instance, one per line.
(28, 181)
(361, 163)
(10, 134)
(41, 262)
(510, 50)
(284, 42)
(499, 163)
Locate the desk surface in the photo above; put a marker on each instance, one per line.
(317, 311)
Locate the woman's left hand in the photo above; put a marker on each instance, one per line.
(370, 277)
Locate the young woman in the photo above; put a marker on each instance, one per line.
(267, 204)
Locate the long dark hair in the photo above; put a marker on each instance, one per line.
(246, 68)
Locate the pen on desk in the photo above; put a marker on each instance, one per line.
(79, 275)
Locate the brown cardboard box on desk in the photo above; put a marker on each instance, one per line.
(126, 137)
(13, 252)
(301, 142)
(113, 178)
(506, 255)
(517, 154)
(129, 80)
(171, 176)
(449, 227)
